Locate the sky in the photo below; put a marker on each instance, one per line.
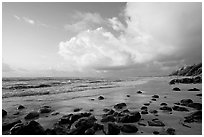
(112, 39)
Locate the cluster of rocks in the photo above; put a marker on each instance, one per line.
(192, 70)
(193, 80)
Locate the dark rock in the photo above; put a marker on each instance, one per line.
(197, 106)
(97, 126)
(133, 117)
(45, 110)
(108, 118)
(129, 128)
(156, 123)
(120, 106)
(165, 97)
(155, 96)
(139, 92)
(20, 107)
(194, 89)
(177, 103)
(153, 111)
(50, 132)
(146, 104)
(86, 122)
(17, 113)
(32, 128)
(113, 129)
(194, 117)
(110, 112)
(144, 108)
(91, 110)
(170, 131)
(100, 98)
(32, 115)
(163, 104)
(172, 82)
(199, 94)
(77, 109)
(141, 124)
(54, 113)
(65, 119)
(92, 99)
(7, 126)
(178, 108)
(153, 99)
(126, 111)
(128, 95)
(186, 102)
(4, 113)
(106, 109)
(90, 131)
(176, 89)
(75, 117)
(144, 112)
(166, 108)
(156, 132)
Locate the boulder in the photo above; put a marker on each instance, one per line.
(176, 89)
(32, 115)
(163, 104)
(153, 99)
(54, 113)
(139, 92)
(155, 96)
(199, 94)
(108, 118)
(45, 109)
(172, 82)
(4, 113)
(194, 117)
(156, 123)
(100, 98)
(146, 104)
(194, 89)
(186, 102)
(20, 107)
(197, 106)
(77, 109)
(90, 131)
(32, 128)
(120, 106)
(7, 126)
(129, 128)
(65, 119)
(166, 108)
(113, 129)
(170, 131)
(130, 118)
(178, 108)
(142, 124)
(153, 111)
(143, 108)
(156, 132)
(144, 112)
(128, 95)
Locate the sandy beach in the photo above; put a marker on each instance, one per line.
(126, 92)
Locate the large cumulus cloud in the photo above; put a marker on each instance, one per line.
(154, 32)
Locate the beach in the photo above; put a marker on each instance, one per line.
(112, 92)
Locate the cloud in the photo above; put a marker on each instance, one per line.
(83, 21)
(32, 22)
(154, 32)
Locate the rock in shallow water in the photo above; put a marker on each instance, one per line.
(32, 115)
(108, 118)
(7, 126)
(170, 131)
(100, 98)
(45, 109)
(194, 117)
(194, 89)
(139, 92)
(156, 123)
(129, 128)
(4, 113)
(130, 118)
(155, 96)
(120, 106)
(197, 106)
(32, 128)
(176, 89)
(113, 129)
(178, 108)
(186, 102)
(166, 108)
(20, 107)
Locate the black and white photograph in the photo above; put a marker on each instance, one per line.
(101, 68)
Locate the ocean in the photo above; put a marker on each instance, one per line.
(19, 87)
